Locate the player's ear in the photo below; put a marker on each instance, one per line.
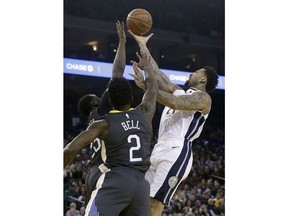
(203, 80)
(96, 101)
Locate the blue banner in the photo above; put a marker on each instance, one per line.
(103, 69)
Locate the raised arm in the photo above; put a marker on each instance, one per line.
(197, 101)
(148, 104)
(93, 131)
(118, 67)
(164, 82)
(120, 57)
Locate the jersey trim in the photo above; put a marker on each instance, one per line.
(91, 209)
(195, 124)
(165, 192)
(119, 111)
(103, 151)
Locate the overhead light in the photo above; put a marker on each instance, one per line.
(193, 57)
(114, 50)
(93, 44)
(162, 56)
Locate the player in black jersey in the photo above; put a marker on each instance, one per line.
(93, 108)
(127, 132)
(88, 106)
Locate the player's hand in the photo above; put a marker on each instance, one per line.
(138, 77)
(141, 40)
(144, 60)
(120, 30)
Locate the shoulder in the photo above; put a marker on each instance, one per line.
(203, 96)
(102, 123)
(204, 99)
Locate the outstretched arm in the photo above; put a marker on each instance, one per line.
(197, 101)
(118, 67)
(120, 57)
(83, 139)
(148, 104)
(164, 82)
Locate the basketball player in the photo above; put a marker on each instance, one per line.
(93, 108)
(88, 106)
(181, 122)
(127, 132)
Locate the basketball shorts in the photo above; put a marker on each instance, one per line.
(121, 191)
(171, 162)
(90, 181)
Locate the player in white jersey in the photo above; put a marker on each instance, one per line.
(181, 122)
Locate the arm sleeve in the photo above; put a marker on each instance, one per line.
(104, 106)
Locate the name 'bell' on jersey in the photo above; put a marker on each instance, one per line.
(128, 142)
(181, 124)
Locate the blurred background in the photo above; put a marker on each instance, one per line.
(188, 34)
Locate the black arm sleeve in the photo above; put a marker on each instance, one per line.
(104, 106)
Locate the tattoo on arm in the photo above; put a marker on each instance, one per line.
(196, 101)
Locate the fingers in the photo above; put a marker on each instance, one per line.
(118, 24)
(149, 36)
(136, 70)
(135, 66)
(137, 54)
(145, 55)
(131, 33)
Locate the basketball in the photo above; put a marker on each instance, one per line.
(139, 21)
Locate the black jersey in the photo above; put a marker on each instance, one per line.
(128, 142)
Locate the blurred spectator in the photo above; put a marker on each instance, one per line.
(78, 171)
(82, 211)
(211, 207)
(72, 211)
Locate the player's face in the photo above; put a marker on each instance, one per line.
(194, 78)
(197, 75)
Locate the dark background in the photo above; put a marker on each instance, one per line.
(187, 36)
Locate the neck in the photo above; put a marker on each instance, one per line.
(123, 108)
(199, 87)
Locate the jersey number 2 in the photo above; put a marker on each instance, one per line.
(134, 148)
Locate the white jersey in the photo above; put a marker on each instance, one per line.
(182, 124)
